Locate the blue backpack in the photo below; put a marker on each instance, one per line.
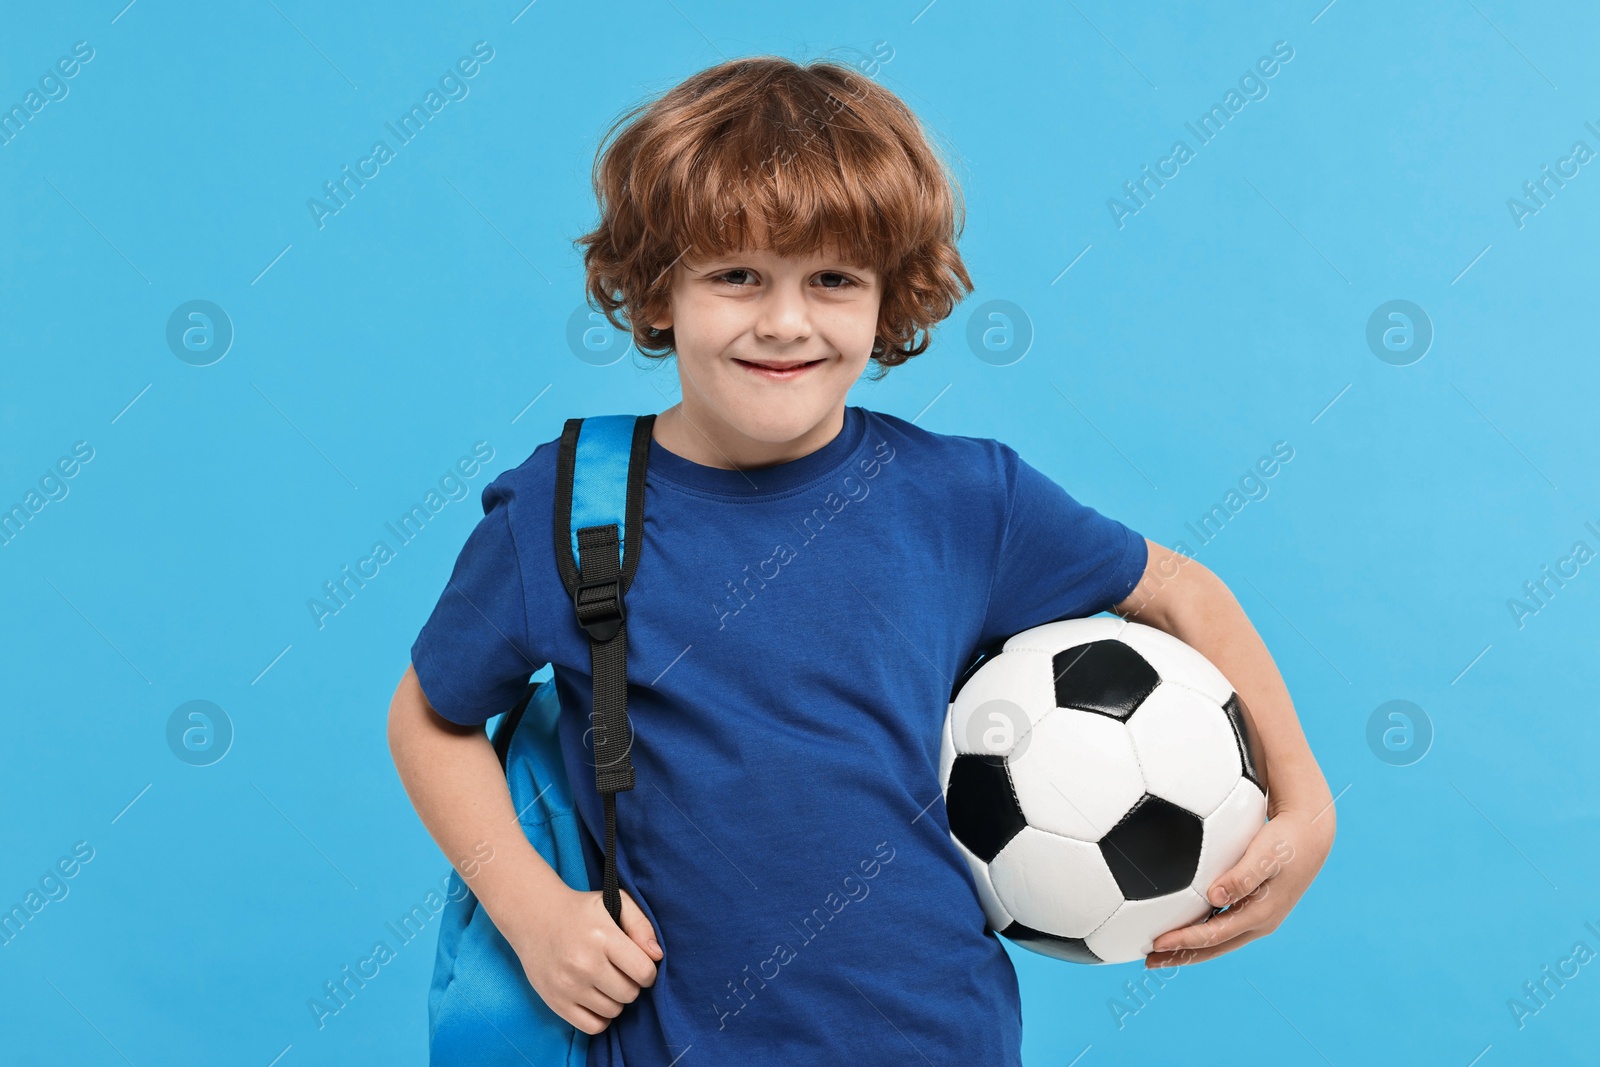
(481, 1009)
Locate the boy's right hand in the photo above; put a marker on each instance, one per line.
(580, 962)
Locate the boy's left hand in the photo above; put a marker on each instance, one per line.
(1260, 889)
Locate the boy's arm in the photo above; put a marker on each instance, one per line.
(1181, 596)
(577, 959)
(456, 783)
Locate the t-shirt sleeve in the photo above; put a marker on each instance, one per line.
(1059, 559)
(472, 656)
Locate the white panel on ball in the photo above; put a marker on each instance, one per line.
(1054, 884)
(1077, 775)
(994, 911)
(1186, 747)
(1128, 935)
(1023, 681)
(1176, 662)
(1228, 832)
(1055, 637)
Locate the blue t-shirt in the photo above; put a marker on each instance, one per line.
(794, 632)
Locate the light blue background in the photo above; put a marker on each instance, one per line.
(1228, 314)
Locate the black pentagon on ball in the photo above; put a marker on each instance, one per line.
(982, 806)
(1249, 745)
(1154, 849)
(1071, 949)
(1108, 677)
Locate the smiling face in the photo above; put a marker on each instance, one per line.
(767, 347)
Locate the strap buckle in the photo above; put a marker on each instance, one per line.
(602, 615)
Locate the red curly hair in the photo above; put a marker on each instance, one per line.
(811, 157)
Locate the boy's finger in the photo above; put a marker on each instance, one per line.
(1182, 957)
(617, 984)
(1259, 862)
(600, 1003)
(586, 1020)
(637, 926)
(632, 961)
(1220, 927)
(625, 951)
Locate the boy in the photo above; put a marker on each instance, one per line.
(813, 577)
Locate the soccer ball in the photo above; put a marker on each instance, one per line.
(1098, 776)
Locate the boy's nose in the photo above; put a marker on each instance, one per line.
(783, 317)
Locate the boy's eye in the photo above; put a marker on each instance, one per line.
(833, 281)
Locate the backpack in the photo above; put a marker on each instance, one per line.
(481, 1008)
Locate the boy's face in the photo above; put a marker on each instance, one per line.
(767, 348)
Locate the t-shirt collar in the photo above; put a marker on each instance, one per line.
(763, 481)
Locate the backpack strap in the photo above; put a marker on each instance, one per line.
(599, 528)
(508, 725)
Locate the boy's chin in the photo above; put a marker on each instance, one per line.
(778, 422)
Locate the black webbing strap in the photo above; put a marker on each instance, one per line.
(509, 723)
(597, 584)
(599, 607)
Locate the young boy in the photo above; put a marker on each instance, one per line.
(813, 578)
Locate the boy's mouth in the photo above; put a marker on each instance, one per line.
(780, 371)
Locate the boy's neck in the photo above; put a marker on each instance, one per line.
(703, 438)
